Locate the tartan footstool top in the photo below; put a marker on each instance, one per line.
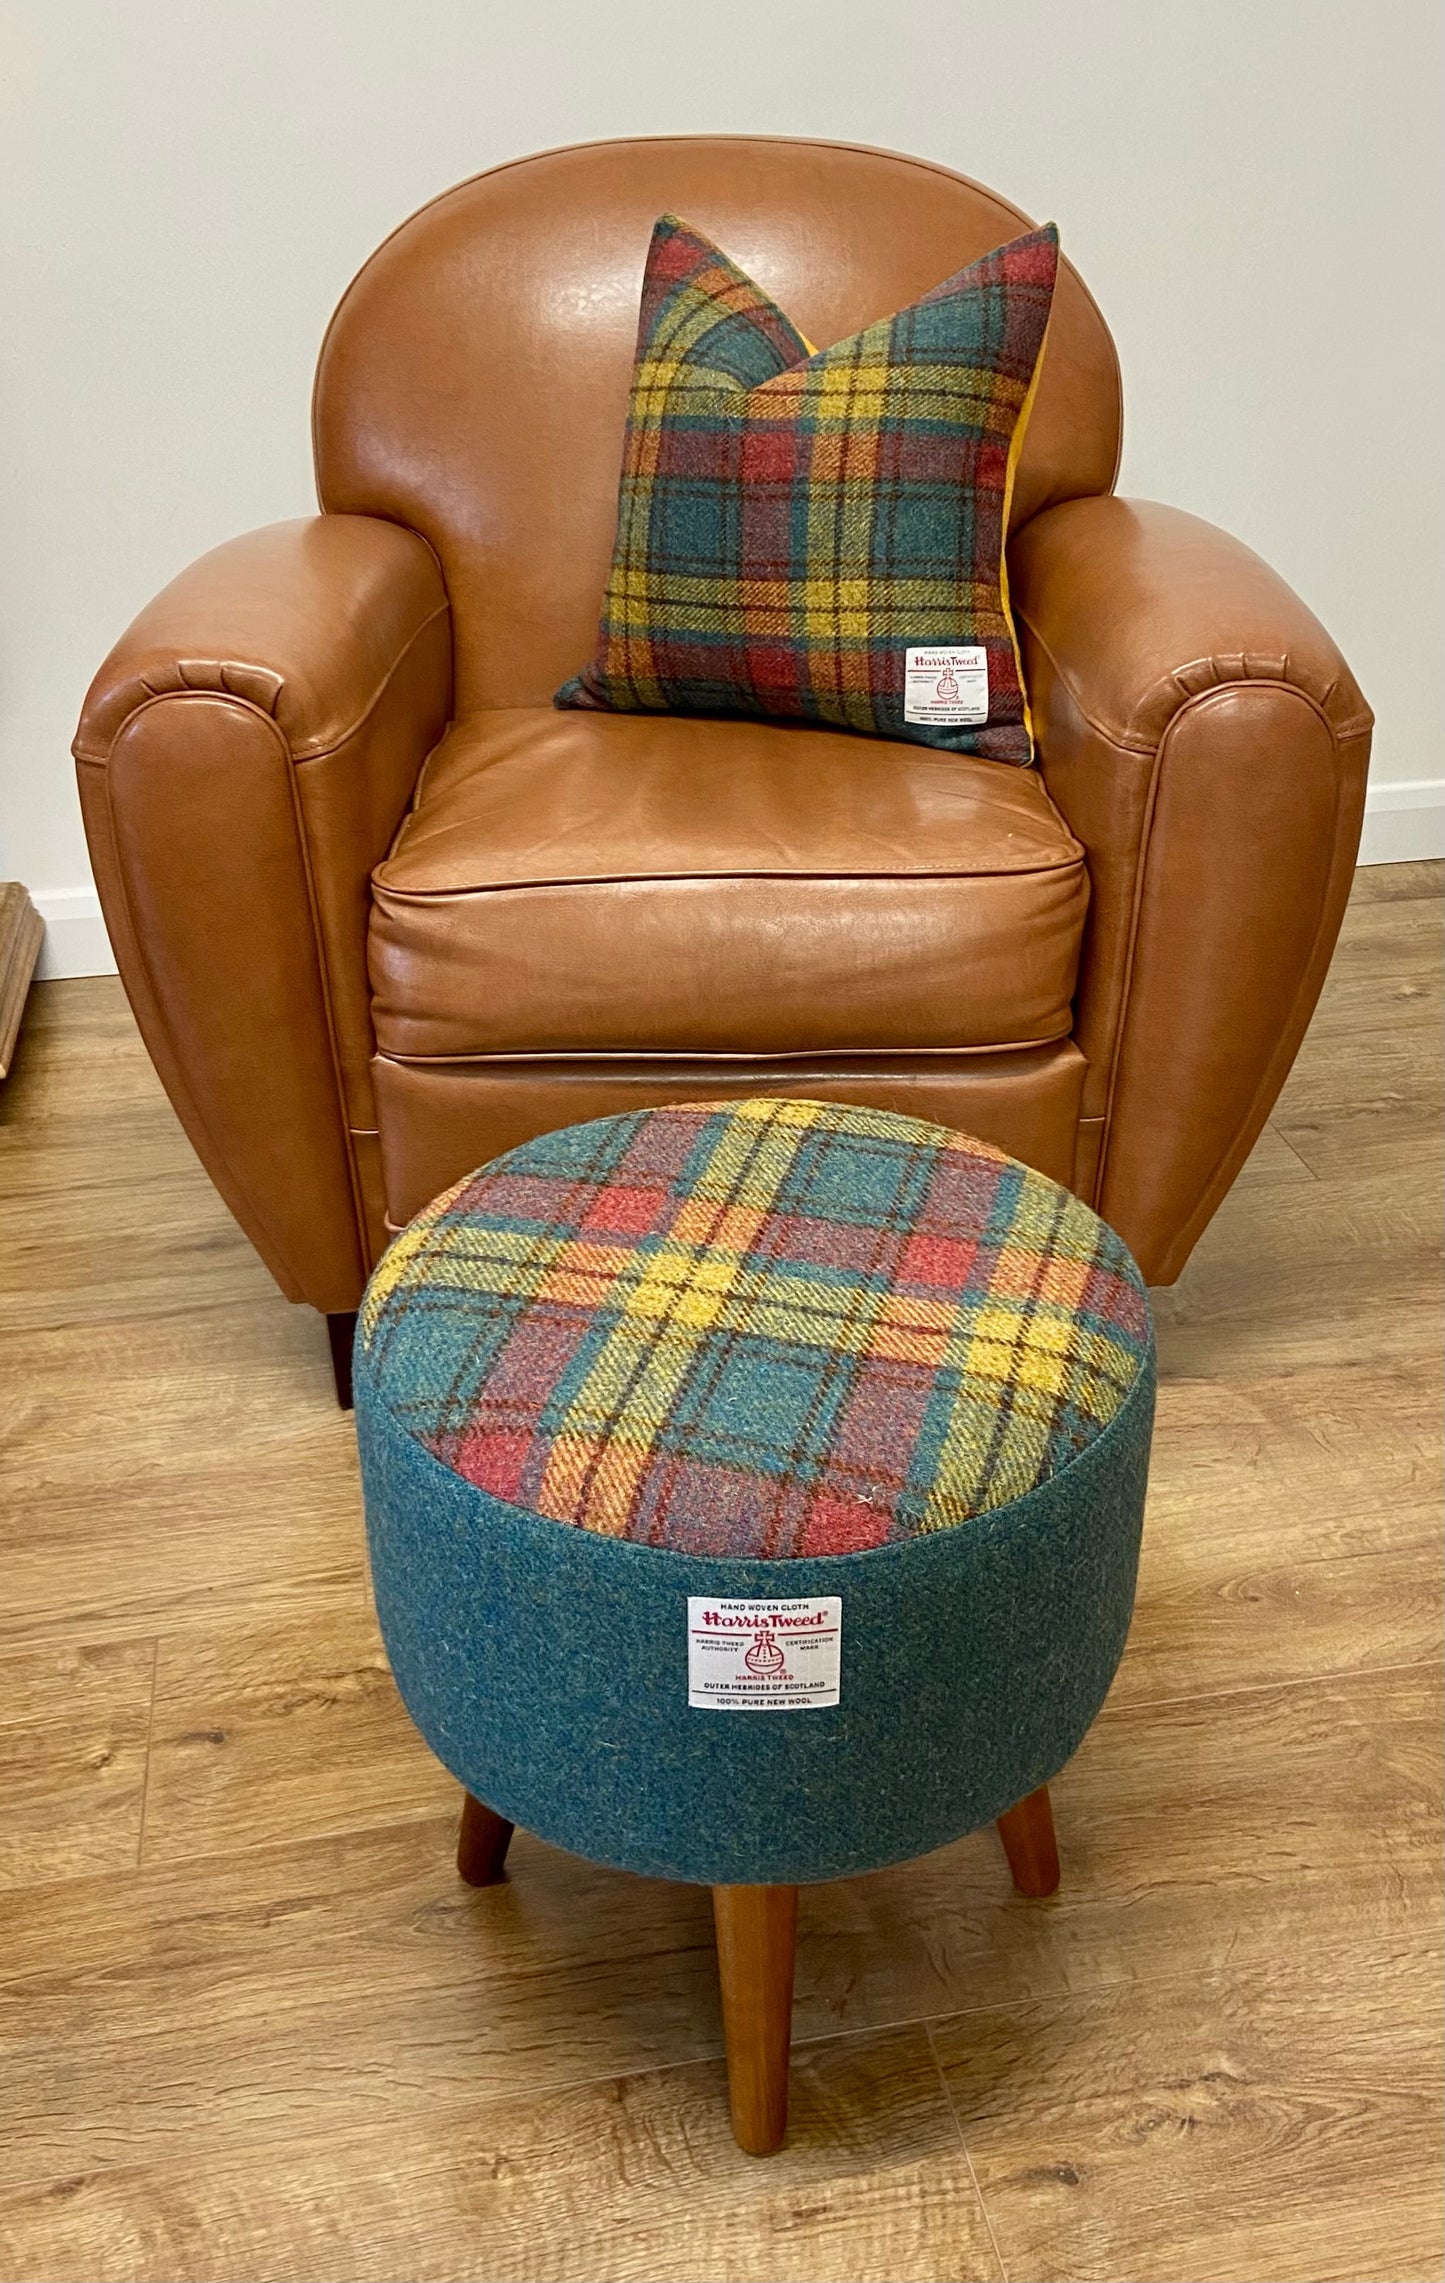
(763, 1328)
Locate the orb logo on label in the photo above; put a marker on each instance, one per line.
(766, 1657)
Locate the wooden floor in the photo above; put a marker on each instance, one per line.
(253, 2028)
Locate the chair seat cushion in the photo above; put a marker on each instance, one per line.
(573, 883)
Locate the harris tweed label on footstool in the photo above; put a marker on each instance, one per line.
(760, 1328)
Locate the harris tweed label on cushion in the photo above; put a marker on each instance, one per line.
(762, 1328)
(792, 523)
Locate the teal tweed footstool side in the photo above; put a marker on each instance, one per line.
(754, 1494)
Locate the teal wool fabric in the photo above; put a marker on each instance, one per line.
(546, 1659)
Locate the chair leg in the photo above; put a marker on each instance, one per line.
(1027, 1832)
(482, 1844)
(341, 1331)
(757, 1929)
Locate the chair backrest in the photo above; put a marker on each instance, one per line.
(473, 384)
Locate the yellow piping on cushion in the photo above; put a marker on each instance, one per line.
(1015, 449)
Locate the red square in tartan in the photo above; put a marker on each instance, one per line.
(626, 1212)
(939, 1261)
(838, 1525)
(496, 1456)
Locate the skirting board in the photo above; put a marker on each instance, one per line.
(75, 939)
(1402, 822)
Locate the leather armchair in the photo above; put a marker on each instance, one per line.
(382, 913)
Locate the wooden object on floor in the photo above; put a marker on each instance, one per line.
(757, 1933)
(482, 1843)
(22, 931)
(341, 1332)
(1027, 1832)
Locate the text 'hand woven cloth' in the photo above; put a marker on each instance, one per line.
(818, 535)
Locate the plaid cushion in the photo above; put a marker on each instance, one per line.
(764, 1328)
(792, 523)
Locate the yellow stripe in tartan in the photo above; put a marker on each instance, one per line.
(976, 1453)
(697, 1281)
(1051, 1334)
(751, 1157)
(842, 458)
(765, 1110)
(633, 1382)
(577, 1287)
(896, 605)
(727, 1228)
(765, 594)
(646, 691)
(625, 1401)
(469, 1258)
(850, 592)
(892, 402)
(630, 624)
(689, 318)
(839, 624)
(860, 589)
(844, 675)
(980, 407)
(842, 1325)
(1107, 1370)
(1001, 1447)
(1063, 1282)
(509, 1260)
(984, 1437)
(395, 1263)
(560, 1494)
(686, 1286)
(512, 1264)
(926, 1349)
(613, 1486)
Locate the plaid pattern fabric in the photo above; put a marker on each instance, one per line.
(792, 522)
(763, 1328)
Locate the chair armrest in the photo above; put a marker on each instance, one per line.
(305, 621)
(245, 756)
(1206, 742)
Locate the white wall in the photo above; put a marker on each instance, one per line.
(1252, 189)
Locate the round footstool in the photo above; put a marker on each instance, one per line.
(753, 1493)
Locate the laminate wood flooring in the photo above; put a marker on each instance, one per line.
(252, 2028)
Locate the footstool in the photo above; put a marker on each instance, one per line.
(753, 1492)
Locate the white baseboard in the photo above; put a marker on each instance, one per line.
(75, 939)
(1402, 822)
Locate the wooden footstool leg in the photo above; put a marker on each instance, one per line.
(1027, 1832)
(757, 1930)
(482, 1844)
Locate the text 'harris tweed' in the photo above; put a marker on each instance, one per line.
(791, 522)
(762, 1328)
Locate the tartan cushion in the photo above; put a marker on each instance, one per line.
(761, 1328)
(793, 523)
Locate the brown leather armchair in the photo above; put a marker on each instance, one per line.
(382, 913)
